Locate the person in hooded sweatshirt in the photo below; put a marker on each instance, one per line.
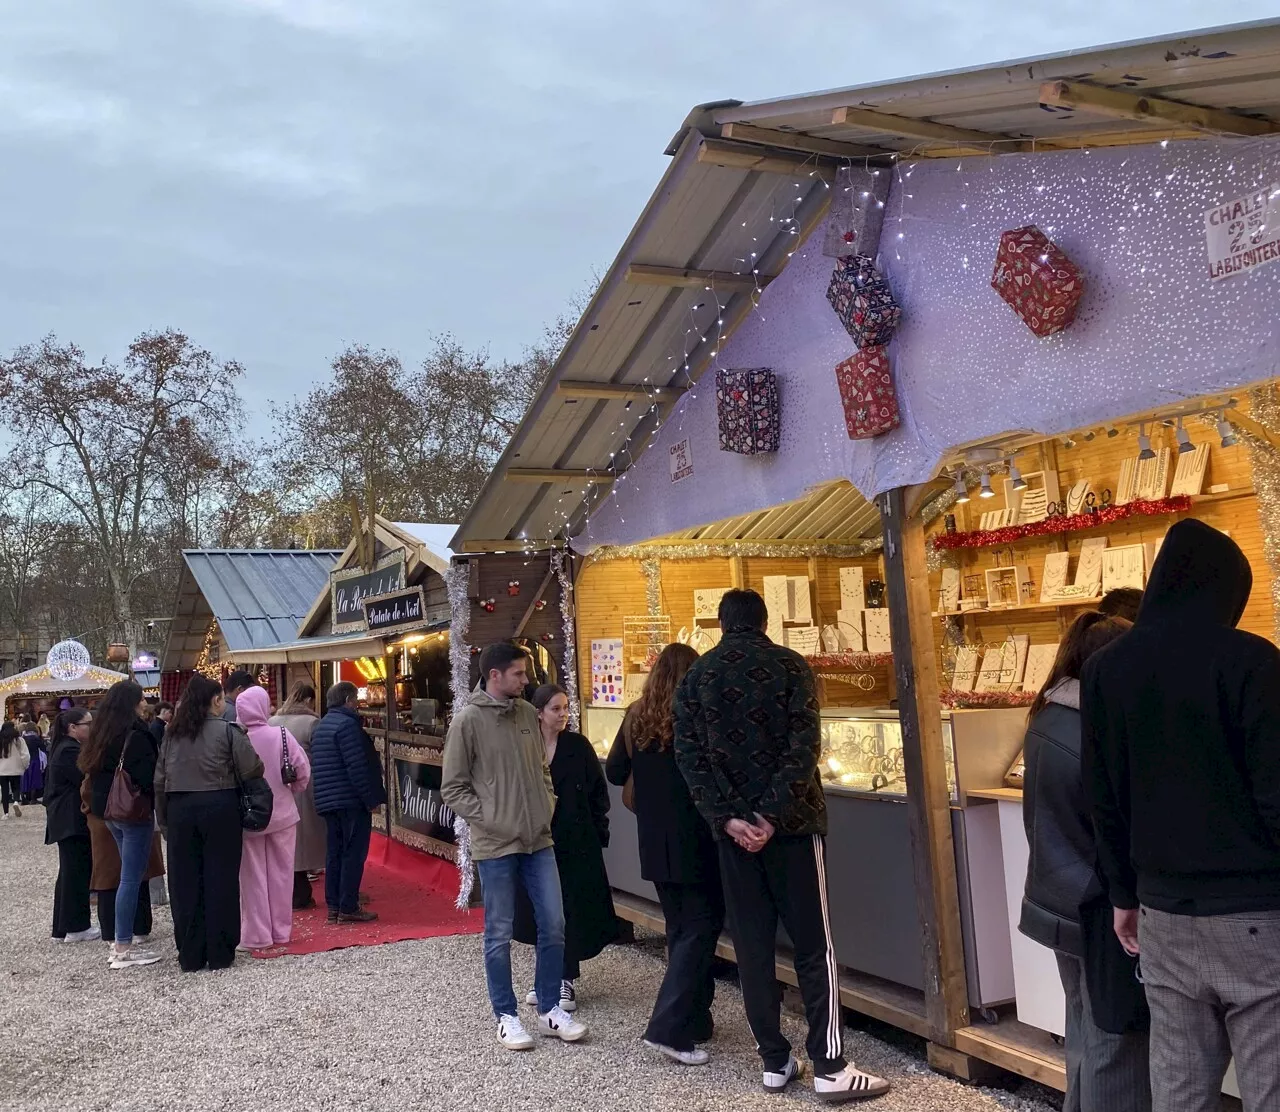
(266, 864)
(496, 779)
(1106, 1069)
(1181, 759)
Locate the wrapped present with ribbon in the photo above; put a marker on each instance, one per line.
(863, 301)
(1038, 280)
(747, 410)
(868, 394)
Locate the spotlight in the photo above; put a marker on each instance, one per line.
(1019, 483)
(1112, 432)
(986, 491)
(1144, 444)
(962, 492)
(1091, 434)
(1226, 432)
(1068, 443)
(1184, 439)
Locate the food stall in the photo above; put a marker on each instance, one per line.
(977, 193)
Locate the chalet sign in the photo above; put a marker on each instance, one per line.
(395, 612)
(349, 588)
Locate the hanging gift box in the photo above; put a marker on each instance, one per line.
(747, 409)
(1040, 283)
(863, 301)
(867, 393)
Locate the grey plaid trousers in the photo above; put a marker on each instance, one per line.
(1213, 983)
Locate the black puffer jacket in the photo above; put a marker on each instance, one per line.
(1061, 871)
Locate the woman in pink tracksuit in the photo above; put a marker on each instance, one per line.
(266, 866)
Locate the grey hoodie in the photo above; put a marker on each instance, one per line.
(496, 776)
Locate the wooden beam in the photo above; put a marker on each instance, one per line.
(688, 278)
(615, 391)
(557, 475)
(959, 138)
(928, 793)
(743, 156)
(1127, 105)
(798, 141)
(505, 544)
(533, 602)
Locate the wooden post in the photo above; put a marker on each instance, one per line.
(390, 723)
(928, 795)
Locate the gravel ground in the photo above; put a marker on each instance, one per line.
(398, 1026)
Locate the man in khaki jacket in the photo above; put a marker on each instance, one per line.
(496, 778)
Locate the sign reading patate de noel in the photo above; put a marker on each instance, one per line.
(349, 588)
(397, 611)
(1243, 234)
(681, 461)
(422, 808)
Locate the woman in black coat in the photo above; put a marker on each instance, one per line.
(1064, 905)
(65, 826)
(580, 830)
(678, 855)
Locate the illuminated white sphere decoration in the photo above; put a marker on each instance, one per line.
(68, 660)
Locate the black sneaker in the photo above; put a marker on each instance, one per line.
(332, 916)
(357, 916)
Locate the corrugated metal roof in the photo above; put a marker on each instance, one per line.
(258, 597)
(833, 512)
(714, 207)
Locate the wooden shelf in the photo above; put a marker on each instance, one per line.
(1023, 607)
(1001, 795)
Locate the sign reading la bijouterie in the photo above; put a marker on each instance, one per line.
(1243, 234)
(396, 611)
(349, 588)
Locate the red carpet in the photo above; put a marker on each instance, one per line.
(412, 893)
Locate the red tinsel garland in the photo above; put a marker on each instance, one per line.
(857, 662)
(1105, 515)
(973, 700)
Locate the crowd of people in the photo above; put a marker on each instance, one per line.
(241, 808)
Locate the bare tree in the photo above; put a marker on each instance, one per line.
(105, 440)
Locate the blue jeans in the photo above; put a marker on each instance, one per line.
(541, 880)
(346, 849)
(133, 840)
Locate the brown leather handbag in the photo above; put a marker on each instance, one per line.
(126, 802)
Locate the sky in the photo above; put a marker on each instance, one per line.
(279, 178)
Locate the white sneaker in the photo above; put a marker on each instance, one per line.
(133, 956)
(684, 1057)
(848, 1084)
(568, 998)
(777, 1082)
(512, 1035)
(91, 935)
(532, 998)
(559, 1024)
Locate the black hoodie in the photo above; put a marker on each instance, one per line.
(1181, 740)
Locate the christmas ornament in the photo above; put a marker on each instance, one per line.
(548, 637)
(513, 588)
(68, 660)
(747, 410)
(867, 393)
(863, 301)
(1040, 283)
(488, 604)
(541, 604)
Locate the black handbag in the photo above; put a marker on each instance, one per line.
(1112, 977)
(255, 796)
(288, 773)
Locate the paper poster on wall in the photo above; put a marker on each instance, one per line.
(681, 459)
(1243, 233)
(606, 672)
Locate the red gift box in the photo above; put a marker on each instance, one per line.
(867, 393)
(1035, 276)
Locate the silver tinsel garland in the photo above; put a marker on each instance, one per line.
(466, 867)
(457, 581)
(569, 678)
(652, 568)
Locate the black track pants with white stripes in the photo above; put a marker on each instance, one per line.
(786, 880)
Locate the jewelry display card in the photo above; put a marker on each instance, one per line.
(1054, 576)
(706, 602)
(879, 639)
(992, 669)
(775, 602)
(634, 687)
(853, 594)
(949, 595)
(1124, 485)
(849, 626)
(1035, 506)
(965, 673)
(1002, 587)
(1076, 496)
(801, 610)
(1040, 660)
(1188, 475)
(1021, 645)
(1151, 477)
(1123, 567)
(1089, 569)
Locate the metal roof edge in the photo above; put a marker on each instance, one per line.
(763, 109)
(701, 118)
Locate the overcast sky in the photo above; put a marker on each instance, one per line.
(280, 177)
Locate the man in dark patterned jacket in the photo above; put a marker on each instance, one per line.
(747, 742)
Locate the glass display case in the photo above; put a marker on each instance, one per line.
(862, 752)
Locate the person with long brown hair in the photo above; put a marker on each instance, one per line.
(678, 855)
(119, 744)
(1064, 906)
(298, 716)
